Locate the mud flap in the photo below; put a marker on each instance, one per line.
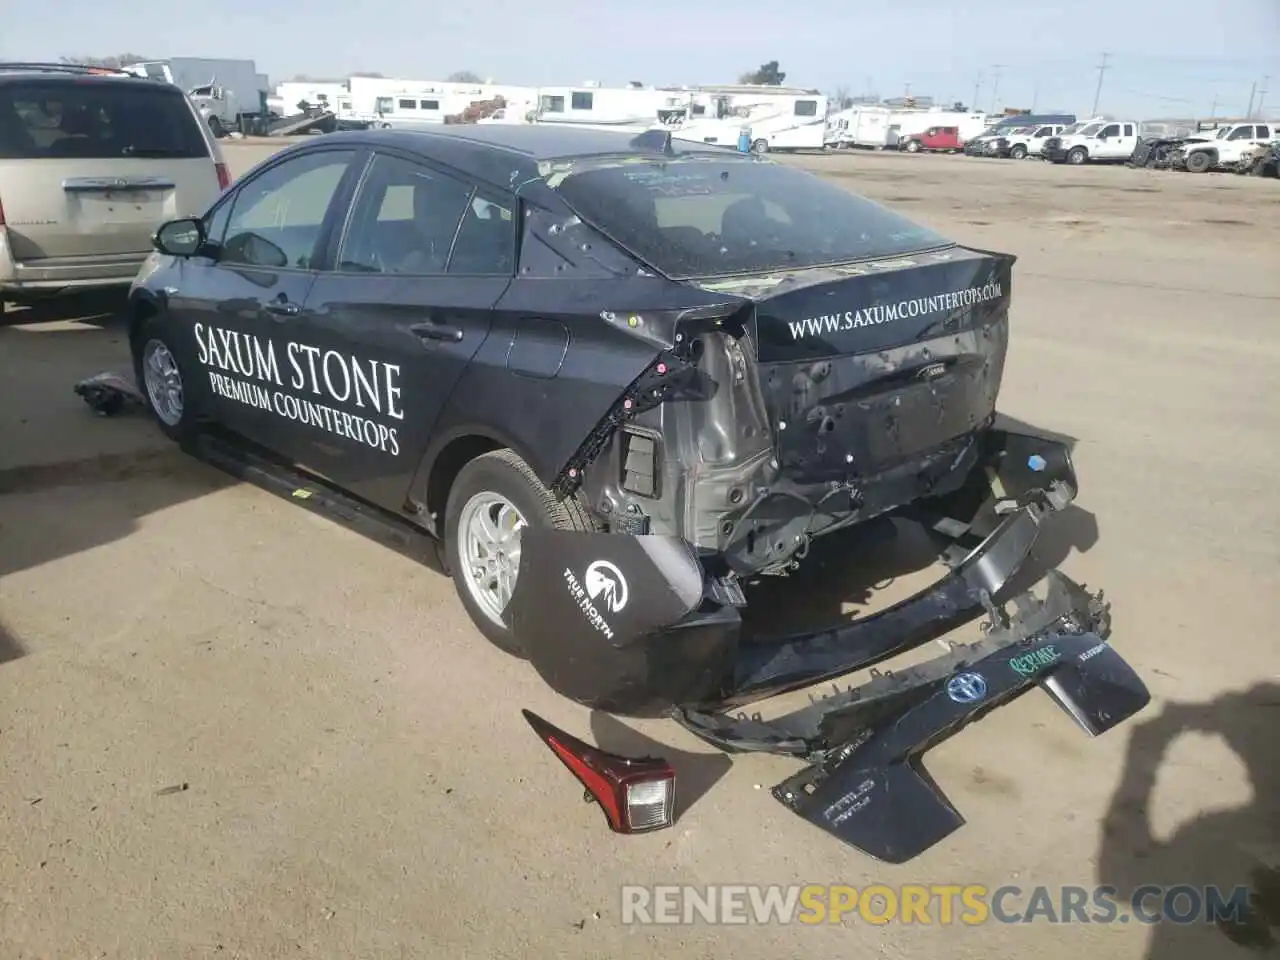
(873, 792)
(626, 624)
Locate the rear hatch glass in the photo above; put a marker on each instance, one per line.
(91, 166)
(711, 217)
(96, 120)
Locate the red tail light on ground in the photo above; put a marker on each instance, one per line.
(637, 794)
(224, 175)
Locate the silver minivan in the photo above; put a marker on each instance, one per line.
(91, 162)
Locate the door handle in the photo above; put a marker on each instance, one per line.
(282, 308)
(430, 330)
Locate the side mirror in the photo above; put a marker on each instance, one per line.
(179, 238)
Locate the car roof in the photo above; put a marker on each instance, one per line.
(549, 141)
(504, 154)
(25, 73)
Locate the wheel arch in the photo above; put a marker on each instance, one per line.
(443, 461)
(143, 306)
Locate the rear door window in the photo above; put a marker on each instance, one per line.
(404, 220)
(705, 217)
(97, 120)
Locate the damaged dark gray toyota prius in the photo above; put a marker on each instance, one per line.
(619, 377)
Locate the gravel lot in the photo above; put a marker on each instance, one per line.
(231, 728)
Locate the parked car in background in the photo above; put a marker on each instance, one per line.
(1227, 148)
(1027, 141)
(92, 161)
(935, 140)
(1102, 141)
(983, 145)
(1262, 160)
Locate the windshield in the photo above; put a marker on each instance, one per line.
(42, 119)
(1089, 129)
(702, 217)
(1222, 133)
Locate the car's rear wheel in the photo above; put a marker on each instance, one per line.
(1019, 152)
(760, 146)
(493, 498)
(163, 382)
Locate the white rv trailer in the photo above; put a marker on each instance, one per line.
(633, 107)
(775, 118)
(862, 126)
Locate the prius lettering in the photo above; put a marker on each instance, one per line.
(889, 312)
(240, 363)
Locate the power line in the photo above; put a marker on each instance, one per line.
(1097, 94)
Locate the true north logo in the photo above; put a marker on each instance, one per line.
(872, 316)
(605, 585)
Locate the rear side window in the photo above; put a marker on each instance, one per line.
(96, 120)
(702, 217)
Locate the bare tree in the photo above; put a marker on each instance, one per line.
(464, 76)
(119, 60)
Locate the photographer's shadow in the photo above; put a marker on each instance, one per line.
(1226, 849)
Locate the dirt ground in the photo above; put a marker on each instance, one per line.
(231, 728)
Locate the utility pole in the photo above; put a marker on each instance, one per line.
(1213, 110)
(1262, 94)
(977, 87)
(1248, 114)
(1097, 94)
(995, 86)
(1035, 97)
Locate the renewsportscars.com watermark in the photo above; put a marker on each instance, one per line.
(930, 904)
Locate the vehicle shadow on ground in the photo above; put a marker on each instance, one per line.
(1228, 849)
(70, 480)
(851, 568)
(696, 773)
(99, 308)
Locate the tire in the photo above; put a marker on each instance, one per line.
(760, 146)
(1018, 152)
(1078, 156)
(487, 484)
(1199, 162)
(216, 128)
(913, 146)
(162, 380)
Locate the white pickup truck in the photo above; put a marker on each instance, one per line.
(1030, 142)
(1099, 141)
(1225, 151)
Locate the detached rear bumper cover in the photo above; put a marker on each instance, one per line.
(865, 784)
(635, 625)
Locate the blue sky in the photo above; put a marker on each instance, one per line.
(1168, 57)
